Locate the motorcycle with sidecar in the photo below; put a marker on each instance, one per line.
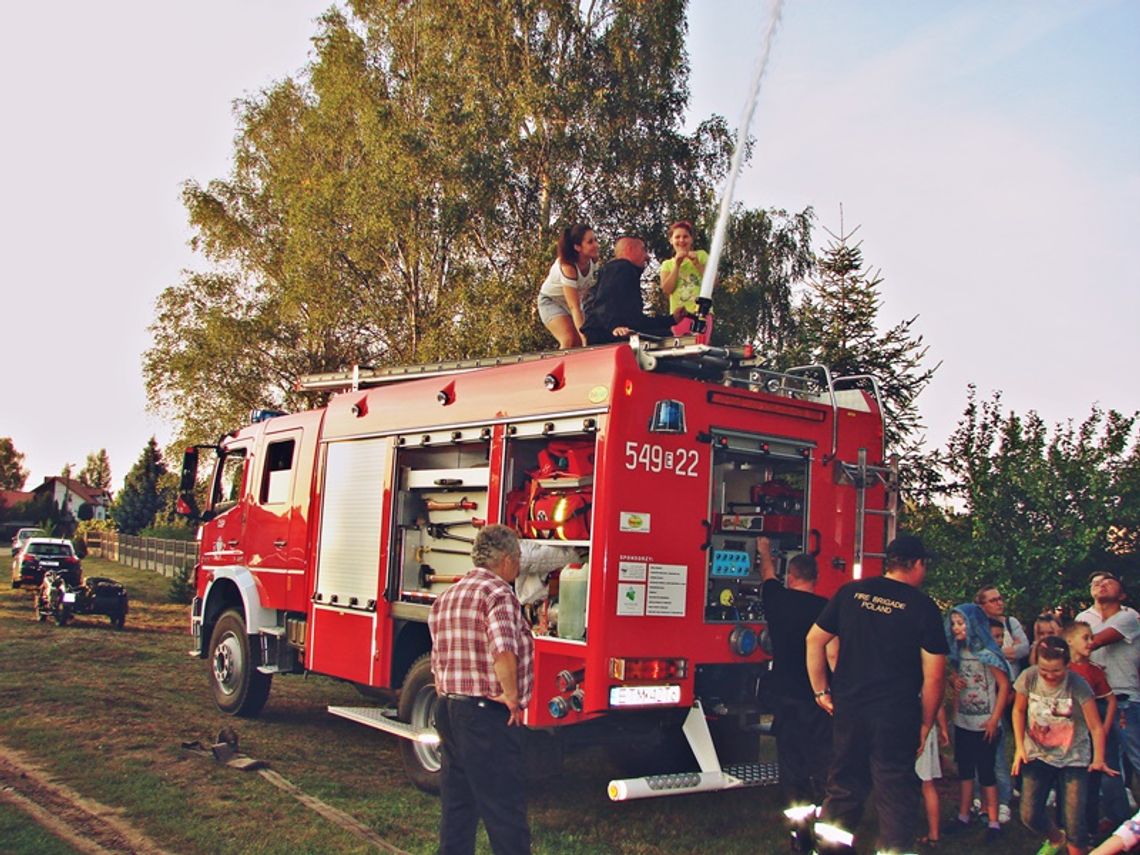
(98, 595)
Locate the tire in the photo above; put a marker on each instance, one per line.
(417, 707)
(62, 616)
(238, 687)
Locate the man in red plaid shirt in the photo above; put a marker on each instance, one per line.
(482, 658)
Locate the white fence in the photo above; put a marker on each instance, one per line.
(147, 553)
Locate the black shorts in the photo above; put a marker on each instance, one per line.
(973, 754)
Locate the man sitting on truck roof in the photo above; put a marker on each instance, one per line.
(613, 307)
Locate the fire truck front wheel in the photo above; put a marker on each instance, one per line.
(239, 688)
(422, 760)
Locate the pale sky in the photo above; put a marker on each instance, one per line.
(989, 151)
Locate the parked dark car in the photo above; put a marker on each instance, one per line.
(41, 554)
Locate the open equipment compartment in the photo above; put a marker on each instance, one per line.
(548, 499)
(759, 489)
(441, 501)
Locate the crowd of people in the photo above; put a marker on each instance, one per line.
(1051, 722)
(582, 302)
(869, 688)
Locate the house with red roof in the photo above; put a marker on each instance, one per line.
(68, 494)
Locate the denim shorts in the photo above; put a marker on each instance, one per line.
(1037, 778)
(550, 308)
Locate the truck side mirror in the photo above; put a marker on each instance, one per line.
(187, 506)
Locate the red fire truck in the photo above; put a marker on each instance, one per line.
(639, 476)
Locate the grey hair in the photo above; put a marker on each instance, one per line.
(492, 544)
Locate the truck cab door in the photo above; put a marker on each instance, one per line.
(275, 533)
(222, 535)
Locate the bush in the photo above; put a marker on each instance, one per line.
(182, 586)
(83, 529)
(170, 532)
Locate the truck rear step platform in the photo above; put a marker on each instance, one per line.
(384, 718)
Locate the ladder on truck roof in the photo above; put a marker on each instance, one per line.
(682, 354)
(365, 377)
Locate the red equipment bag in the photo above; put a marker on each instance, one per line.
(560, 513)
(565, 457)
(537, 512)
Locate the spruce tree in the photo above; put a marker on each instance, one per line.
(837, 324)
(140, 498)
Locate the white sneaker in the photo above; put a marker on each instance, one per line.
(977, 807)
(1004, 815)
(1051, 799)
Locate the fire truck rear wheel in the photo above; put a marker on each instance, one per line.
(239, 688)
(417, 707)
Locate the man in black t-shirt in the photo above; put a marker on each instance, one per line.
(613, 307)
(803, 730)
(892, 651)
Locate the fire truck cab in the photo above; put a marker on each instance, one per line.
(639, 477)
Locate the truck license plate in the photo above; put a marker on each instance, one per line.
(643, 696)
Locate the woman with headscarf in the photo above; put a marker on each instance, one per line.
(982, 679)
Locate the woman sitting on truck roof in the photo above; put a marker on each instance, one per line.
(571, 275)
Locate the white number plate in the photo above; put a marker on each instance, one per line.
(654, 458)
(643, 696)
(50, 563)
(69, 597)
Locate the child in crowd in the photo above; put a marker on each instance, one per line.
(928, 767)
(1054, 715)
(1047, 625)
(1124, 839)
(1079, 636)
(982, 680)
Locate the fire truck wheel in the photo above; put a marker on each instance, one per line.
(239, 688)
(417, 707)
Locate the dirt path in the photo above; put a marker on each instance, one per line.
(87, 825)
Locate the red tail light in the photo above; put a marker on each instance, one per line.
(648, 669)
